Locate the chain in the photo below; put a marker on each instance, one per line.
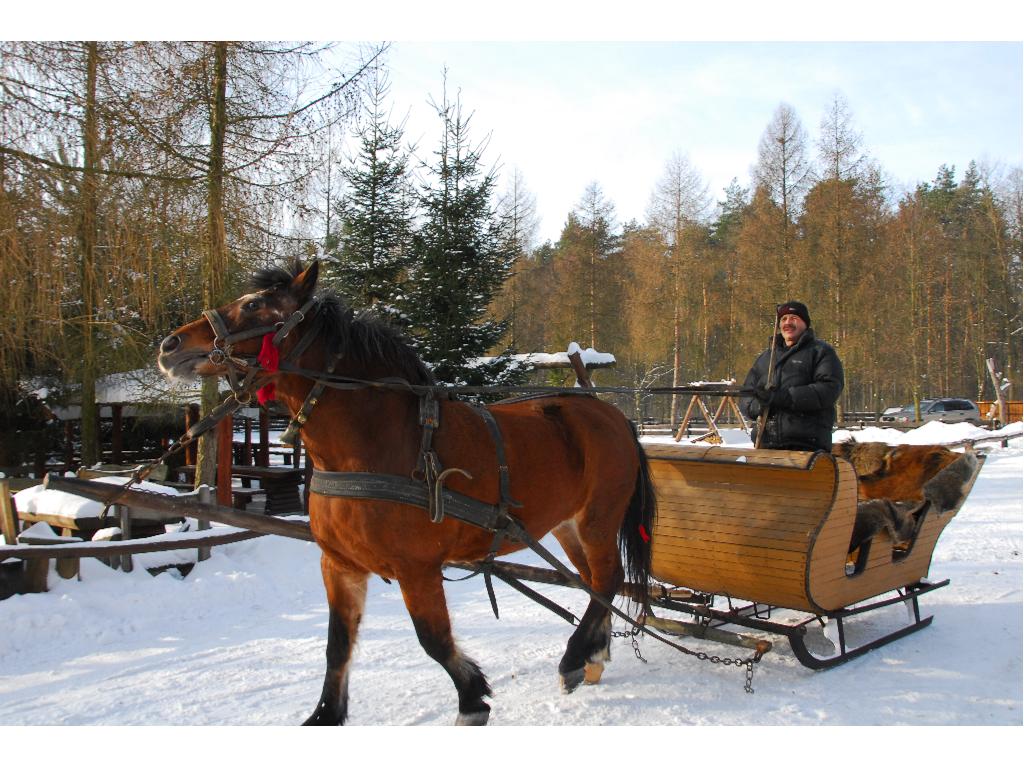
(747, 663)
(632, 635)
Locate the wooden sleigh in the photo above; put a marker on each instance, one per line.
(767, 533)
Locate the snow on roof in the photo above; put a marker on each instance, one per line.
(591, 358)
(144, 385)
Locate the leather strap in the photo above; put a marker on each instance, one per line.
(402, 490)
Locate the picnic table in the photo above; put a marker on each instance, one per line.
(280, 483)
(82, 522)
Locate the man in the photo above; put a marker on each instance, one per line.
(800, 400)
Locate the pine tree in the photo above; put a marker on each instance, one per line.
(368, 257)
(461, 261)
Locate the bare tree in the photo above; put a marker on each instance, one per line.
(784, 173)
(679, 204)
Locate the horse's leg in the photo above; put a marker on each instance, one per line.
(423, 593)
(346, 594)
(567, 536)
(569, 539)
(589, 646)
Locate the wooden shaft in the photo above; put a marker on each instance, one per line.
(186, 506)
(763, 421)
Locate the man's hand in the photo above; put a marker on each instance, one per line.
(773, 398)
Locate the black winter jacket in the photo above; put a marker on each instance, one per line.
(813, 374)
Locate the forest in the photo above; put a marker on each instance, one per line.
(142, 182)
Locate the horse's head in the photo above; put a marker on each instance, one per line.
(232, 333)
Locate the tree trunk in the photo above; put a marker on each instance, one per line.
(87, 263)
(215, 264)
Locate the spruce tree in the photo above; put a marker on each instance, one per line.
(461, 261)
(368, 257)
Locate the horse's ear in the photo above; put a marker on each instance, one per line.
(304, 283)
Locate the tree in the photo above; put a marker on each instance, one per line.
(587, 274)
(678, 209)
(368, 257)
(176, 138)
(461, 260)
(783, 174)
(518, 211)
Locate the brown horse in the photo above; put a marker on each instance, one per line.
(574, 467)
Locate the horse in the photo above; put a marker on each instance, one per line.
(570, 464)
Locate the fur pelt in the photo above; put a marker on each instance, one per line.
(894, 472)
(942, 493)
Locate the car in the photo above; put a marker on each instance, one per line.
(949, 410)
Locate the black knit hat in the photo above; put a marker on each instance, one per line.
(794, 308)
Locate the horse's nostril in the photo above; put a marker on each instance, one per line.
(170, 344)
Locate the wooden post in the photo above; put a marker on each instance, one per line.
(8, 520)
(263, 459)
(116, 438)
(124, 515)
(681, 432)
(224, 459)
(1000, 397)
(35, 570)
(204, 525)
(191, 417)
(582, 377)
(247, 450)
(67, 567)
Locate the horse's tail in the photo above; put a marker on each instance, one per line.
(635, 533)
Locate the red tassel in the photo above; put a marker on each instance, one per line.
(644, 534)
(269, 359)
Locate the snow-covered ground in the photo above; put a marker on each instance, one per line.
(240, 641)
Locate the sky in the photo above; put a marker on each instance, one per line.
(574, 92)
(566, 114)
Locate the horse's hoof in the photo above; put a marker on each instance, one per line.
(473, 718)
(592, 672)
(571, 680)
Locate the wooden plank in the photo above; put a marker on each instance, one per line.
(727, 514)
(686, 546)
(8, 520)
(37, 552)
(774, 480)
(658, 452)
(187, 506)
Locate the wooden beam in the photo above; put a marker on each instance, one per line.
(225, 432)
(188, 506)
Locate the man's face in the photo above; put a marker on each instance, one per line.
(791, 327)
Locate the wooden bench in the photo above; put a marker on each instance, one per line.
(773, 528)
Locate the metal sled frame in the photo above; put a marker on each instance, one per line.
(709, 623)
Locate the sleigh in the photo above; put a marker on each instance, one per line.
(759, 540)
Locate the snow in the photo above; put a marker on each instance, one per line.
(240, 641)
(42, 501)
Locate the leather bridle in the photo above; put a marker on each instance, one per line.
(224, 341)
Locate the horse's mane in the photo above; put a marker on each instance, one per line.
(363, 335)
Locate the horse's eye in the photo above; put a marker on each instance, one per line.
(252, 306)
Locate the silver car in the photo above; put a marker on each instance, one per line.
(949, 410)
